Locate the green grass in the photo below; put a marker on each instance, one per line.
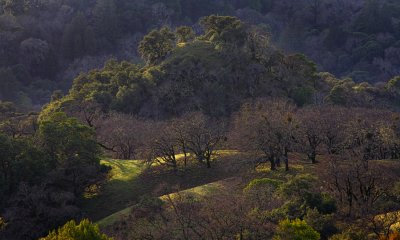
(130, 180)
(121, 188)
(197, 192)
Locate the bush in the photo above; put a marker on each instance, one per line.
(324, 224)
(263, 182)
(350, 234)
(295, 230)
(85, 230)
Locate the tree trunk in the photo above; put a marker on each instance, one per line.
(278, 162)
(313, 157)
(286, 155)
(272, 161)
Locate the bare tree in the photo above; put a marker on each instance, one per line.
(204, 135)
(268, 128)
(356, 186)
(312, 129)
(164, 145)
(125, 136)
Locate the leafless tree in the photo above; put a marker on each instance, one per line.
(204, 135)
(266, 127)
(312, 127)
(164, 146)
(356, 186)
(125, 136)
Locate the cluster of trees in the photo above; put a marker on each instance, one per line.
(195, 136)
(202, 89)
(207, 73)
(346, 142)
(210, 73)
(44, 168)
(276, 128)
(56, 40)
(84, 230)
(263, 210)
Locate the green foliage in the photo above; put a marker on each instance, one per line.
(394, 85)
(338, 95)
(297, 186)
(85, 230)
(301, 196)
(262, 182)
(184, 34)
(67, 141)
(351, 234)
(295, 230)
(21, 161)
(324, 224)
(156, 45)
(224, 30)
(119, 86)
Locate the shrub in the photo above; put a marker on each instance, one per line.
(350, 234)
(295, 230)
(263, 182)
(324, 224)
(85, 230)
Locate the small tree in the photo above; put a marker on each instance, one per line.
(295, 230)
(85, 230)
(203, 136)
(165, 146)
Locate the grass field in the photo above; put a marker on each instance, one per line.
(129, 180)
(197, 192)
(122, 187)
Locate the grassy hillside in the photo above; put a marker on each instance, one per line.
(122, 187)
(262, 171)
(130, 180)
(196, 192)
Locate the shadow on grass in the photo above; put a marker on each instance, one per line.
(131, 180)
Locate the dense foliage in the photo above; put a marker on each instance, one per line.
(188, 93)
(84, 230)
(45, 44)
(43, 173)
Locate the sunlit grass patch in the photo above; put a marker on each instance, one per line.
(266, 168)
(195, 193)
(124, 170)
(121, 188)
